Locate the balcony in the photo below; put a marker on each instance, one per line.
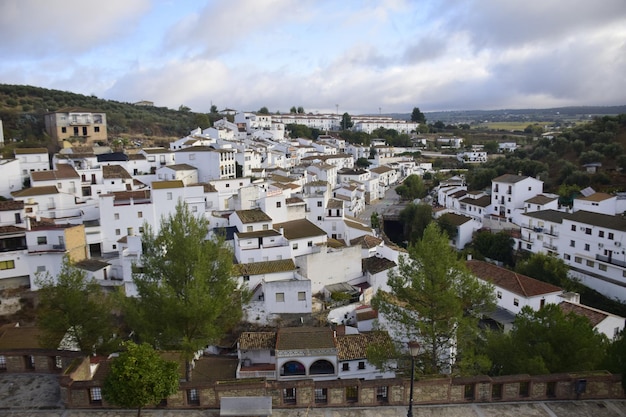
(611, 261)
(259, 370)
(549, 246)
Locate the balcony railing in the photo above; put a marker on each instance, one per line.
(611, 260)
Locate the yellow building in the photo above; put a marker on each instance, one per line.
(74, 124)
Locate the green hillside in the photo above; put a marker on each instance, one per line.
(22, 109)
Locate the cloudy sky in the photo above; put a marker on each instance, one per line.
(352, 56)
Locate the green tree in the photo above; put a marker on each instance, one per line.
(417, 116)
(615, 360)
(346, 122)
(415, 218)
(411, 188)
(434, 300)
(496, 246)
(546, 341)
(362, 162)
(74, 306)
(546, 268)
(491, 147)
(187, 297)
(139, 377)
(263, 110)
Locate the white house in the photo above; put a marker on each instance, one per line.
(514, 291)
(509, 192)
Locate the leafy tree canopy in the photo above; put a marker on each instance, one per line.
(546, 341)
(187, 296)
(72, 305)
(139, 377)
(417, 116)
(434, 300)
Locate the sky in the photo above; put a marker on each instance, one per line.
(360, 57)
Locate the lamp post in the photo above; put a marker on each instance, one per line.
(414, 349)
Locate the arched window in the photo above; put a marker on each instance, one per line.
(292, 368)
(321, 367)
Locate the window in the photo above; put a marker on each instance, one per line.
(301, 296)
(42, 240)
(496, 392)
(382, 394)
(602, 267)
(515, 302)
(524, 389)
(601, 233)
(345, 367)
(321, 395)
(319, 204)
(169, 196)
(139, 214)
(361, 365)
(352, 394)
(10, 264)
(578, 259)
(499, 294)
(193, 397)
(587, 247)
(95, 395)
(289, 396)
(280, 297)
(590, 263)
(116, 216)
(572, 243)
(3, 363)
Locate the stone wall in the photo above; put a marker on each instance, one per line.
(381, 392)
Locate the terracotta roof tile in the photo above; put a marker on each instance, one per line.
(257, 340)
(289, 338)
(267, 267)
(354, 346)
(516, 283)
(374, 264)
(253, 216)
(298, 229)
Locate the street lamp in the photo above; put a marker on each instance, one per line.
(414, 350)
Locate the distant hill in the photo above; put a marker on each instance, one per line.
(517, 115)
(22, 109)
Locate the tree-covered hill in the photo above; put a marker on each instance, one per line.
(588, 155)
(22, 109)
